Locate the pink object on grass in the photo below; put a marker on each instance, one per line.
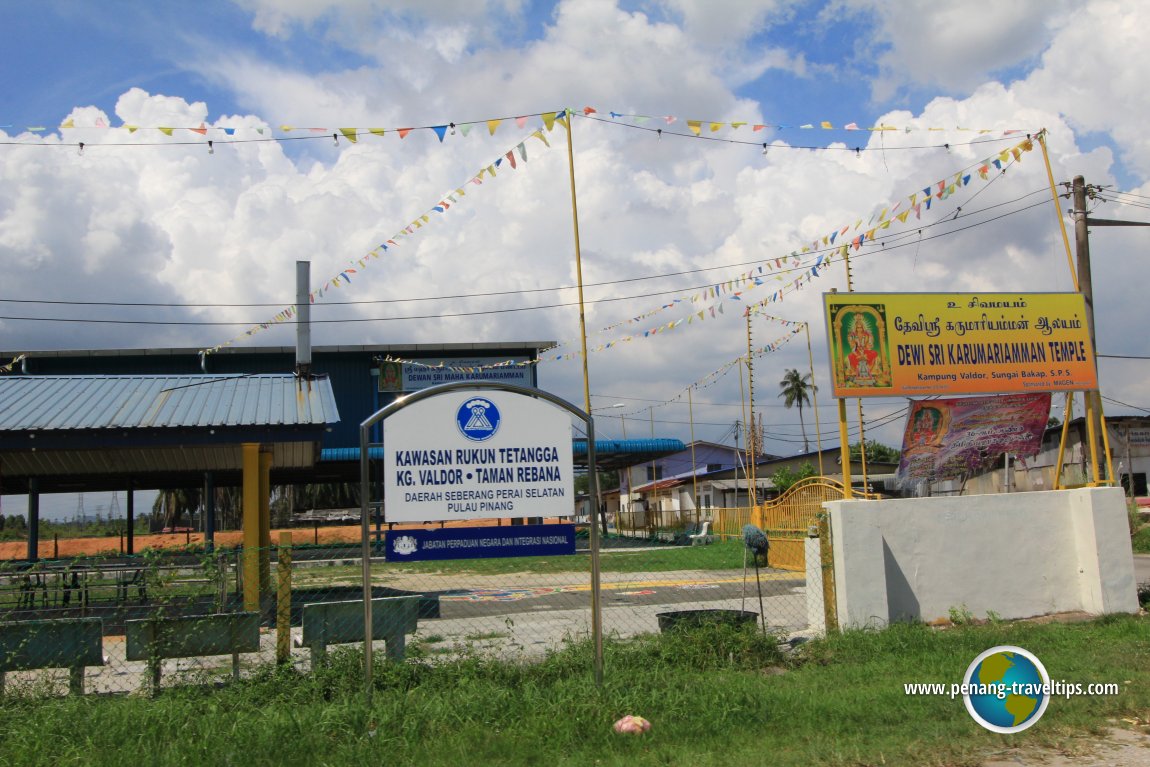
(634, 725)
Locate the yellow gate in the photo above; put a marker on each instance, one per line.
(787, 520)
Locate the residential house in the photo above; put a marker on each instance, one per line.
(1129, 438)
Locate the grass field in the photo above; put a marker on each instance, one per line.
(723, 555)
(715, 697)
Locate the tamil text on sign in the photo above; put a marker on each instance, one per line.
(884, 344)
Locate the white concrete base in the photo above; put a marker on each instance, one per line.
(1012, 555)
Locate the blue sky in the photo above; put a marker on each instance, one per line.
(215, 235)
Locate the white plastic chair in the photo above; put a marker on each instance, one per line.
(703, 536)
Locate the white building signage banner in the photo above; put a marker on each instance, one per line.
(395, 376)
(477, 455)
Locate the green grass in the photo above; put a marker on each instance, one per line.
(721, 555)
(715, 697)
(1140, 541)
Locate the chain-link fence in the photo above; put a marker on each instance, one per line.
(139, 623)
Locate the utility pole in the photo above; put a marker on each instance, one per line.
(1086, 288)
(1095, 422)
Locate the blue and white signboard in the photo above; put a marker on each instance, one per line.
(477, 455)
(480, 542)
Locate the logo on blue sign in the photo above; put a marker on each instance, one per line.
(478, 419)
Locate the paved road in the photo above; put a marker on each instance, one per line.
(637, 590)
(1142, 568)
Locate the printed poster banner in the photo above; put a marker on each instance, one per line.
(951, 438)
(894, 344)
(477, 454)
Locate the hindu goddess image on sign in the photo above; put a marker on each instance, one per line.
(391, 376)
(927, 424)
(862, 355)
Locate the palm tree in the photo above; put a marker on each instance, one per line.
(796, 389)
(171, 505)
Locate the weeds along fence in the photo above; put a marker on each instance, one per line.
(127, 624)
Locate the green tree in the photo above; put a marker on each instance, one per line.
(608, 480)
(786, 477)
(796, 390)
(171, 506)
(875, 451)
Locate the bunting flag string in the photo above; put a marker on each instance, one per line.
(356, 266)
(756, 309)
(773, 346)
(697, 128)
(716, 375)
(224, 134)
(462, 368)
(823, 249)
(886, 214)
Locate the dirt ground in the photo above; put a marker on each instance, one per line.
(1123, 747)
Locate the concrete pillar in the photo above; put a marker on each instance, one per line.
(251, 506)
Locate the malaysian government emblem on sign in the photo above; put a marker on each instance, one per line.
(406, 545)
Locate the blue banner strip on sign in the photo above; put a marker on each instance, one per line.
(480, 542)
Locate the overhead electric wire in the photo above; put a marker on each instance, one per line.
(855, 149)
(882, 243)
(1125, 404)
(156, 304)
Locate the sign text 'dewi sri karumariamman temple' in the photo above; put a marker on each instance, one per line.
(896, 344)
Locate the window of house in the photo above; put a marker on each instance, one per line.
(654, 473)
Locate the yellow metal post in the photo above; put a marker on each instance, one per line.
(694, 468)
(753, 434)
(283, 600)
(596, 604)
(1110, 477)
(1057, 207)
(265, 523)
(746, 473)
(815, 394)
(1092, 435)
(827, 564)
(1066, 416)
(251, 514)
(845, 449)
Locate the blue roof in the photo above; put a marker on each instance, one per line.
(604, 447)
(49, 403)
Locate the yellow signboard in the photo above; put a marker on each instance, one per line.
(913, 344)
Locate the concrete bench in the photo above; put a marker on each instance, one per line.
(71, 643)
(327, 623)
(190, 636)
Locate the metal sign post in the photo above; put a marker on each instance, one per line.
(484, 421)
